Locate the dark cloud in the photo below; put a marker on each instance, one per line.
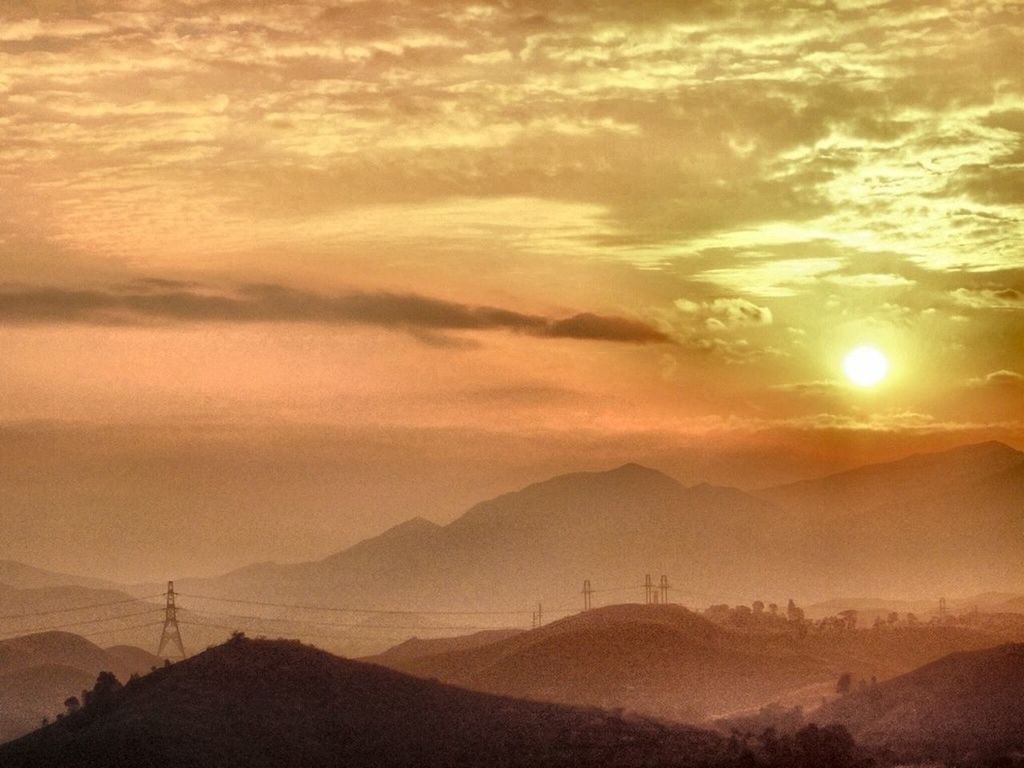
(162, 301)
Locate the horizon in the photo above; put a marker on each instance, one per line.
(821, 598)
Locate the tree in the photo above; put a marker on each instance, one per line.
(893, 618)
(758, 607)
(106, 686)
(72, 704)
(844, 684)
(849, 618)
(793, 613)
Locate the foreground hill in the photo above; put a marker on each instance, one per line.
(965, 707)
(668, 662)
(39, 672)
(263, 704)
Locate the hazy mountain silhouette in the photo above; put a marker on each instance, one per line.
(668, 662)
(902, 481)
(966, 706)
(277, 703)
(944, 522)
(114, 612)
(928, 525)
(21, 576)
(38, 672)
(536, 544)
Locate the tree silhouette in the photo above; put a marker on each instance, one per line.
(844, 683)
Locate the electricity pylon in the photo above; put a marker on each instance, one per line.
(171, 633)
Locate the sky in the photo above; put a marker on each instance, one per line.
(276, 276)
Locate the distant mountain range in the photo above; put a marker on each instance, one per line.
(21, 576)
(38, 672)
(944, 523)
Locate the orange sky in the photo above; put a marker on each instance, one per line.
(337, 264)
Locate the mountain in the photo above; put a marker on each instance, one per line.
(38, 672)
(900, 482)
(930, 525)
(111, 615)
(967, 706)
(277, 703)
(533, 545)
(668, 662)
(21, 576)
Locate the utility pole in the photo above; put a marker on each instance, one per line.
(588, 594)
(170, 633)
(540, 615)
(663, 589)
(942, 609)
(648, 590)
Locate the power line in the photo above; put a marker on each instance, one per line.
(338, 609)
(120, 629)
(347, 625)
(77, 608)
(31, 630)
(209, 625)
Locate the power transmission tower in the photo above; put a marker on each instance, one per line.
(588, 594)
(663, 589)
(648, 590)
(171, 633)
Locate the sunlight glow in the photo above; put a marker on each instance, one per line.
(865, 366)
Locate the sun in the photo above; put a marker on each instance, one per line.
(865, 366)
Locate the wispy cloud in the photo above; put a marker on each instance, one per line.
(164, 301)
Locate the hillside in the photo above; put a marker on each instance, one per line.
(38, 672)
(668, 662)
(965, 706)
(416, 648)
(663, 661)
(112, 615)
(263, 704)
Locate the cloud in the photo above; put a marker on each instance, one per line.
(988, 298)
(722, 314)
(870, 280)
(1002, 379)
(809, 388)
(163, 301)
